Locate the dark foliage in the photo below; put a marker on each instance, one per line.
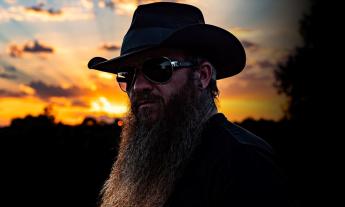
(49, 164)
(308, 79)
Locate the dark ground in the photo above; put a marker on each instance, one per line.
(48, 164)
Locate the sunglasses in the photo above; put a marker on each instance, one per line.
(157, 70)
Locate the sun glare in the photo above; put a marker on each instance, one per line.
(106, 76)
(103, 105)
(126, 8)
(26, 89)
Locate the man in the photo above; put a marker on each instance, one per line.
(176, 150)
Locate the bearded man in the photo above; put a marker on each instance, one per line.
(176, 150)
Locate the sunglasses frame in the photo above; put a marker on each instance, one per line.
(174, 65)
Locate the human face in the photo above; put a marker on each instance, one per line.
(148, 98)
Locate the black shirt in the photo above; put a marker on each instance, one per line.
(231, 167)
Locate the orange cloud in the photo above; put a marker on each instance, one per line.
(7, 94)
(249, 45)
(8, 72)
(26, 89)
(127, 7)
(15, 51)
(110, 47)
(45, 91)
(40, 9)
(39, 13)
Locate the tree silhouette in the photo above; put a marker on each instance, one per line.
(304, 79)
(57, 164)
(301, 76)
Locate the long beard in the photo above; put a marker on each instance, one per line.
(152, 156)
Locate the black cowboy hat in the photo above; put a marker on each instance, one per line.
(180, 26)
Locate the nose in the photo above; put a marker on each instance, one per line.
(141, 83)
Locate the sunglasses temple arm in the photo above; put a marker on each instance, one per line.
(185, 64)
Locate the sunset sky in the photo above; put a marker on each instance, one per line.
(45, 46)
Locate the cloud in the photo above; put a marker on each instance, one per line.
(6, 94)
(260, 68)
(36, 8)
(127, 7)
(261, 64)
(257, 76)
(40, 9)
(53, 11)
(110, 47)
(37, 47)
(109, 4)
(245, 33)
(249, 45)
(266, 64)
(240, 31)
(67, 11)
(8, 76)
(45, 91)
(10, 68)
(14, 74)
(7, 72)
(80, 103)
(10, 1)
(15, 51)
(88, 4)
(250, 83)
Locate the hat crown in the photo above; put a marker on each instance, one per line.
(153, 22)
(166, 14)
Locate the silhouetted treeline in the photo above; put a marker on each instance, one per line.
(309, 80)
(48, 164)
(67, 165)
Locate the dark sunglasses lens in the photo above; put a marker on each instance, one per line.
(158, 69)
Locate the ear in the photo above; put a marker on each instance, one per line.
(205, 71)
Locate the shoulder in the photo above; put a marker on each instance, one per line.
(221, 131)
(234, 150)
(243, 166)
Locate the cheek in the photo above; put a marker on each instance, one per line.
(169, 93)
(177, 82)
(166, 96)
(165, 92)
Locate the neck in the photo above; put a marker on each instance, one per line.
(210, 108)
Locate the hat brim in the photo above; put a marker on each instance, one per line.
(219, 46)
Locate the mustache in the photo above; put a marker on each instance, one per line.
(144, 96)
